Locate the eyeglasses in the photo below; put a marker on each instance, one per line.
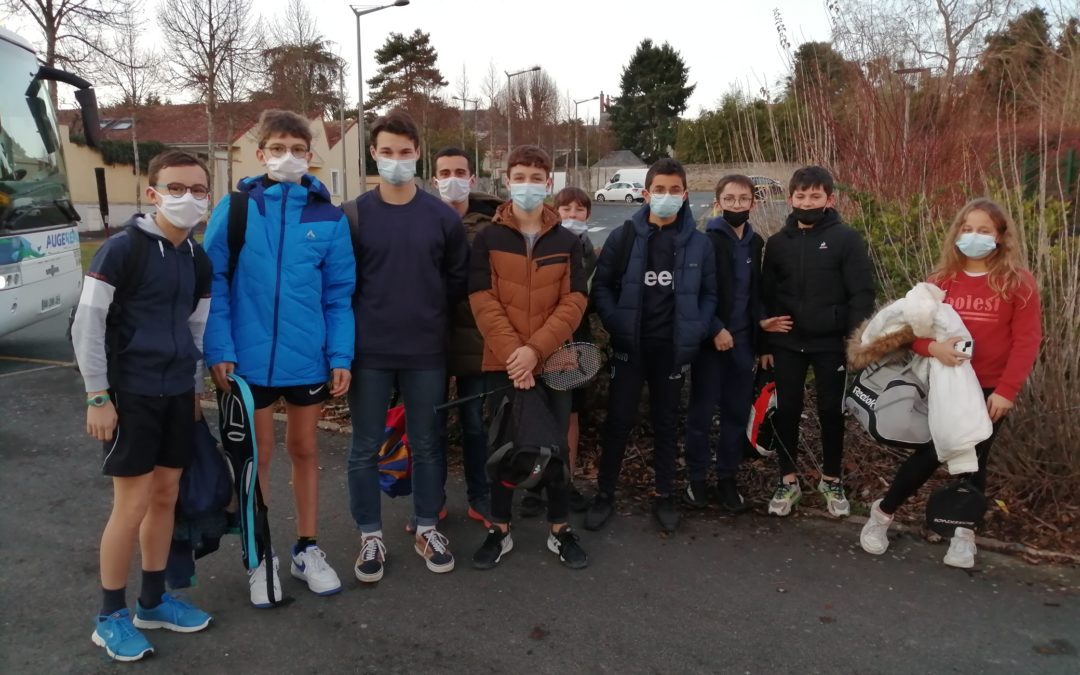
(179, 190)
(278, 150)
(732, 201)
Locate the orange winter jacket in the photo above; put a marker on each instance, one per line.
(520, 298)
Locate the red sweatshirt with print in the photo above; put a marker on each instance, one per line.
(1006, 333)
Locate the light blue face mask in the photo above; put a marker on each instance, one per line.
(528, 196)
(578, 227)
(396, 171)
(665, 206)
(976, 246)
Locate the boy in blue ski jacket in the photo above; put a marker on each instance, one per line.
(281, 318)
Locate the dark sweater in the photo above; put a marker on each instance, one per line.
(413, 266)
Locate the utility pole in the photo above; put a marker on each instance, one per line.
(510, 105)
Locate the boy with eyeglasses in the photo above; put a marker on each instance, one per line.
(282, 320)
(141, 366)
(722, 375)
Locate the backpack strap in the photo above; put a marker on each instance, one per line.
(203, 274)
(352, 213)
(238, 211)
(626, 249)
(134, 264)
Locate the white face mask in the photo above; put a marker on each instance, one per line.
(578, 227)
(454, 189)
(182, 212)
(396, 171)
(287, 168)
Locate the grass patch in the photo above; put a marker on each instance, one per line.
(88, 247)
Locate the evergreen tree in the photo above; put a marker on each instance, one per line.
(645, 115)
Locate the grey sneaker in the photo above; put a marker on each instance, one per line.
(833, 491)
(785, 498)
(874, 538)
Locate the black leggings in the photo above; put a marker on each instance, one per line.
(558, 498)
(829, 377)
(921, 465)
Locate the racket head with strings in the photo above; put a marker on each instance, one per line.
(572, 366)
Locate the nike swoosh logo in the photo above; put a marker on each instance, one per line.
(316, 390)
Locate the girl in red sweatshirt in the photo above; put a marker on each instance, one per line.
(987, 283)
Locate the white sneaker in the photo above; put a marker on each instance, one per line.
(833, 491)
(874, 537)
(961, 549)
(787, 495)
(310, 565)
(257, 585)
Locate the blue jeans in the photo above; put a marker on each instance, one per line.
(421, 391)
(473, 439)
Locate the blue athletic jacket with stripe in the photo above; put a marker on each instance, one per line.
(286, 318)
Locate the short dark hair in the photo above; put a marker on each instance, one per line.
(396, 122)
(529, 155)
(665, 167)
(811, 177)
(574, 195)
(452, 151)
(737, 179)
(171, 158)
(283, 123)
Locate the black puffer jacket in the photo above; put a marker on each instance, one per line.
(465, 348)
(822, 278)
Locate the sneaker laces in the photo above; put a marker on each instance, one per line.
(373, 546)
(176, 601)
(124, 627)
(834, 489)
(783, 491)
(316, 557)
(436, 541)
(566, 537)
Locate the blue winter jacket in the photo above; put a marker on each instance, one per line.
(619, 308)
(286, 319)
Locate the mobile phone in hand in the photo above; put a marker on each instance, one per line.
(966, 347)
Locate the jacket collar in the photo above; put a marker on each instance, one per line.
(254, 185)
(684, 222)
(505, 215)
(791, 226)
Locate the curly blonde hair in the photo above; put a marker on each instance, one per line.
(1005, 264)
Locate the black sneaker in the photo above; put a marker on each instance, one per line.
(495, 546)
(696, 495)
(531, 504)
(727, 493)
(578, 502)
(600, 511)
(565, 545)
(666, 513)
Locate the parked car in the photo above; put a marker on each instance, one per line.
(767, 189)
(621, 192)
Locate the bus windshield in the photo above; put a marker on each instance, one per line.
(33, 187)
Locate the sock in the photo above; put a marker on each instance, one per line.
(153, 586)
(113, 601)
(302, 543)
(422, 529)
(376, 533)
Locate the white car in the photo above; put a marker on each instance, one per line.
(621, 192)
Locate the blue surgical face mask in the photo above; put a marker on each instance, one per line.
(665, 206)
(578, 227)
(528, 196)
(396, 171)
(976, 246)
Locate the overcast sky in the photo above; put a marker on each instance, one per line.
(583, 44)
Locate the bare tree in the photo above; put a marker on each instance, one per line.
(491, 86)
(463, 98)
(537, 96)
(204, 35)
(236, 80)
(130, 67)
(71, 28)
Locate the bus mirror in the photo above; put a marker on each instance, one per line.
(88, 104)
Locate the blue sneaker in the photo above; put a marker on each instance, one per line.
(172, 614)
(121, 640)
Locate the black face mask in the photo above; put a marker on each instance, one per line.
(736, 218)
(808, 216)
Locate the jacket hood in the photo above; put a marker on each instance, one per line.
(313, 185)
(147, 224)
(860, 356)
(684, 222)
(918, 311)
(482, 205)
(504, 214)
(791, 225)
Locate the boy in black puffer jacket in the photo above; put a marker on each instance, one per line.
(818, 285)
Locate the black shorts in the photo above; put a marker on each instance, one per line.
(150, 431)
(300, 394)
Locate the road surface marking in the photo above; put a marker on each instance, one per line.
(32, 370)
(47, 362)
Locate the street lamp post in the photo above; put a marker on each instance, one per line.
(510, 103)
(576, 104)
(359, 11)
(476, 135)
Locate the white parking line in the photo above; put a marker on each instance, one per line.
(32, 370)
